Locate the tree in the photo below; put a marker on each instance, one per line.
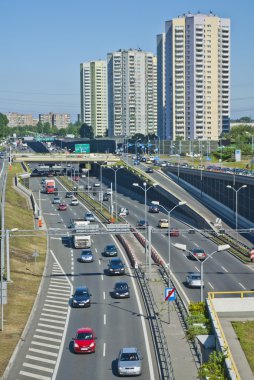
(4, 130)
(86, 131)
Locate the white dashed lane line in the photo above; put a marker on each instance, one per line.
(43, 352)
(242, 286)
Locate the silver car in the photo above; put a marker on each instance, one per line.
(193, 280)
(86, 256)
(129, 362)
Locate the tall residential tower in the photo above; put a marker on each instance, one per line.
(132, 93)
(93, 90)
(197, 77)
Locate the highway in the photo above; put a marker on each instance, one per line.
(117, 323)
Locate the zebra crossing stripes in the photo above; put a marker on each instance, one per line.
(43, 351)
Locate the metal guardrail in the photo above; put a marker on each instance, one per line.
(162, 353)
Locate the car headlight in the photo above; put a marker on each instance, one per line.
(92, 344)
(76, 345)
(117, 293)
(110, 269)
(74, 301)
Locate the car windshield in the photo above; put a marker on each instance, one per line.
(121, 286)
(116, 263)
(81, 293)
(84, 336)
(198, 251)
(110, 247)
(89, 215)
(129, 356)
(86, 253)
(195, 277)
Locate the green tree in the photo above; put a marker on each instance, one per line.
(214, 369)
(4, 129)
(86, 131)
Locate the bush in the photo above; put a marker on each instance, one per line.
(215, 368)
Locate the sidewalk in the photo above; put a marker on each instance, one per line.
(182, 359)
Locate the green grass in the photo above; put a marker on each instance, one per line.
(245, 334)
(25, 275)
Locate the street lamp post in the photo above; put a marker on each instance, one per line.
(145, 189)
(115, 169)
(236, 205)
(220, 248)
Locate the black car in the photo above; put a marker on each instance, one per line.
(121, 290)
(149, 170)
(115, 267)
(105, 197)
(110, 250)
(81, 297)
(142, 224)
(68, 194)
(154, 209)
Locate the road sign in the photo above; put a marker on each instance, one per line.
(82, 148)
(170, 294)
(100, 195)
(118, 228)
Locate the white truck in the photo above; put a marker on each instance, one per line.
(78, 225)
(82, 241)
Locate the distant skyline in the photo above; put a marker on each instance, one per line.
(43, 44)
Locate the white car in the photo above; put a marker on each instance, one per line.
(123, 211)
(74, 202)
(96, 184)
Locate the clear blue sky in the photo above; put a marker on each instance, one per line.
(43, 43)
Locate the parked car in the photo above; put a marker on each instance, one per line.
(74, 202)
(163, 223)
(84, 340)
(110, 250)
(154, 209)
(142, 224)
(89, 217)
(116, 267)
(121, 290)
(86, 256)
(129, 362)
(56, 200)
(197, 253)
(62, 207)
(193, 280)
(81, 297)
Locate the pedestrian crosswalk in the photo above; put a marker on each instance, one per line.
(43, 351)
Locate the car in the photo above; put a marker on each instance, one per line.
(154, 209)
(136, 162)
(105, 197)
(62, 207)
(76, 178)
(123, 211)
(88, 187)
(56, 190)
(115, 267)
(81, 297)
(110, 250)
(149, 161)
(121, 290)
(142, 224)
(68, 194)
(198, 254)
(193, 280)
(129, 362)
(109, 192)
(96, 184)
(149, 170)
(174, 232)
(74, 202)
(86, 256)
(56, 200)
(143, 159)
(163, 223)
(84, 341)
(89, 217)
(43, 181)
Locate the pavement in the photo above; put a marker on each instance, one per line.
(183, 360)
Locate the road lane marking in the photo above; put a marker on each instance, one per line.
(241, 285)
(197, 269)
(51, 320)
(104, 349)
(47, 338)
(53, 315)
(42, 352)
(34, 375)
(225, 270)
(39, 359)
(56, 306)
(104, 295)
(49, 332)
(104, 319)
(210, 285)
(38, 367)
(102, 277)
(54, 346)
(96, 250)
(51, 326)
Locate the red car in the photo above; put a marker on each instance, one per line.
(174, 232)
(84, 340)
(198, 254)
(62, 207)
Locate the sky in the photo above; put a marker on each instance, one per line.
(44, 42)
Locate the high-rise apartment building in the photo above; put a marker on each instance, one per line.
(58, 120)
(197, 77)
(93, 90)
(161, 86)
(19, 119)
(132, 93)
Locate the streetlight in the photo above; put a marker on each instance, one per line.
(115, 169)
(136, 146)
(220, 248)
(145, 189)
(236, 205)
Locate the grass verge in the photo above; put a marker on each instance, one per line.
(25, 274)
(245, 334)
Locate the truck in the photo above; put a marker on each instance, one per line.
(50, 186)
(81, 241)
(78, 225)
